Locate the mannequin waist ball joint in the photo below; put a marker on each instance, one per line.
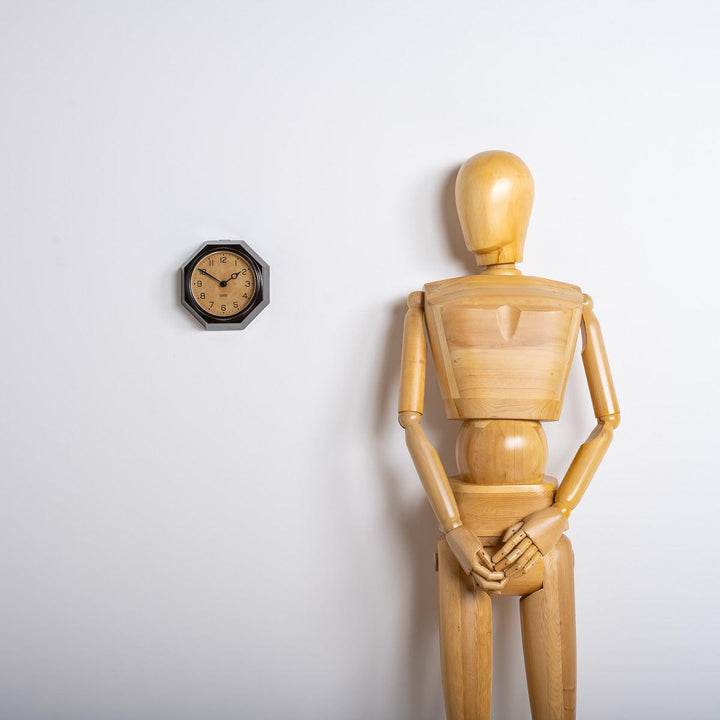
(502, 344)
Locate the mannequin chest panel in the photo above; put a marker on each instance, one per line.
(502, 345)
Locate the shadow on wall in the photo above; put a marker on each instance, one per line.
(451, 224)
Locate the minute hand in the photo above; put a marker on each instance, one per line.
(205, 272)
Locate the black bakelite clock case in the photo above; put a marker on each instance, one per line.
(258, 302)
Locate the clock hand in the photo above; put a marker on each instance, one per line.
(205, 272)
(233, 276)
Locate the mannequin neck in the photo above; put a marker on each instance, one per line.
(500, 269)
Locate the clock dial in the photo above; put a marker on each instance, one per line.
(222, 283)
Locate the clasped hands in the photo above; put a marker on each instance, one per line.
(524, 543)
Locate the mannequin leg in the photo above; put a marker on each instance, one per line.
(548, 631)
(465, 641)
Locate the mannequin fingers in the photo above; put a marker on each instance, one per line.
(488, 585)
(517, 538)
(522, 561)
(511, 531)
(497, 592)
(512, 556)
(532, 553)
(485, 557)
(533, 561)
(487, 574)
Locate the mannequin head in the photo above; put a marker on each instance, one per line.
(494, 194)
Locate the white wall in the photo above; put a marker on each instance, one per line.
(227, 525)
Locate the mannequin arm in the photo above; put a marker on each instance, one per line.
(410, 408)
(464, 544)
(541, 530)
(607, 412)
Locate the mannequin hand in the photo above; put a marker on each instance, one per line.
(474, 560)
(527, 541)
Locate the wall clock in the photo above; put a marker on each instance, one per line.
(225, 285)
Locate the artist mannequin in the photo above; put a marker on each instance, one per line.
(502, 344)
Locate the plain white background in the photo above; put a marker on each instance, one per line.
(227, 525)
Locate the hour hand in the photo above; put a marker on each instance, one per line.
(205, 272)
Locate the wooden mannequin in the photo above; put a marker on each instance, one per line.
(502, 344)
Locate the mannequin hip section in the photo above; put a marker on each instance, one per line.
(502, 475)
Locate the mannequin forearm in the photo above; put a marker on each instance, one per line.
(584, 464)
(431, 472)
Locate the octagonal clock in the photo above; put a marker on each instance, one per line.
(225, 285)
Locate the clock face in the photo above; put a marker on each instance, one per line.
(223, 283)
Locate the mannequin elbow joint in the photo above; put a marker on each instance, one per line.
(407, 418)
(612, 420)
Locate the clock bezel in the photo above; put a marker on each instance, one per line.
(258, 302)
